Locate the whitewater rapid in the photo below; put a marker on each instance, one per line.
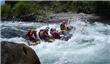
(90, 43)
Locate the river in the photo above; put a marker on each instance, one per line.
(90, 43)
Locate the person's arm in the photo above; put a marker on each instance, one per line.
(66, 27)
(46, 34)
(35, 34)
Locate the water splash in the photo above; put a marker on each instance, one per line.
(89, 45)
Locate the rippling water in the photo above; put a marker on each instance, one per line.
(90, 43)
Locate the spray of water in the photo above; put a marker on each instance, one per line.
(89, 44)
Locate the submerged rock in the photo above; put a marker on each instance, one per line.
(13, 53)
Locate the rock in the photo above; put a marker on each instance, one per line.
(13, 53)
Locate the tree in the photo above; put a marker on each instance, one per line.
(6, 10)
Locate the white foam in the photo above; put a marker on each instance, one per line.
(87, 45)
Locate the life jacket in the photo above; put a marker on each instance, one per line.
(43, 34)
(28, 33)
(55, 34)
(31, 34)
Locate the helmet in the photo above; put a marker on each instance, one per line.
(33, 29)
(47, 28)
(52, 29)
(28, 29)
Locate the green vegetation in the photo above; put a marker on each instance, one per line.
(6, 10)
(42, 8)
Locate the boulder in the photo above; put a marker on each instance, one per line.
(13, 53)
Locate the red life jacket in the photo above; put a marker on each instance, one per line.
(43, 34)
(31, 35)
(55, 35)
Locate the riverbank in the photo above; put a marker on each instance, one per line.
(56, 18)
(38, 11)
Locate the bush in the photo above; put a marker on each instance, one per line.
(26, 8)
(6, 10)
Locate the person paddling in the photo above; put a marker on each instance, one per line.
(32, 36)
(43, 34)
(55, 34)
(65, 27)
